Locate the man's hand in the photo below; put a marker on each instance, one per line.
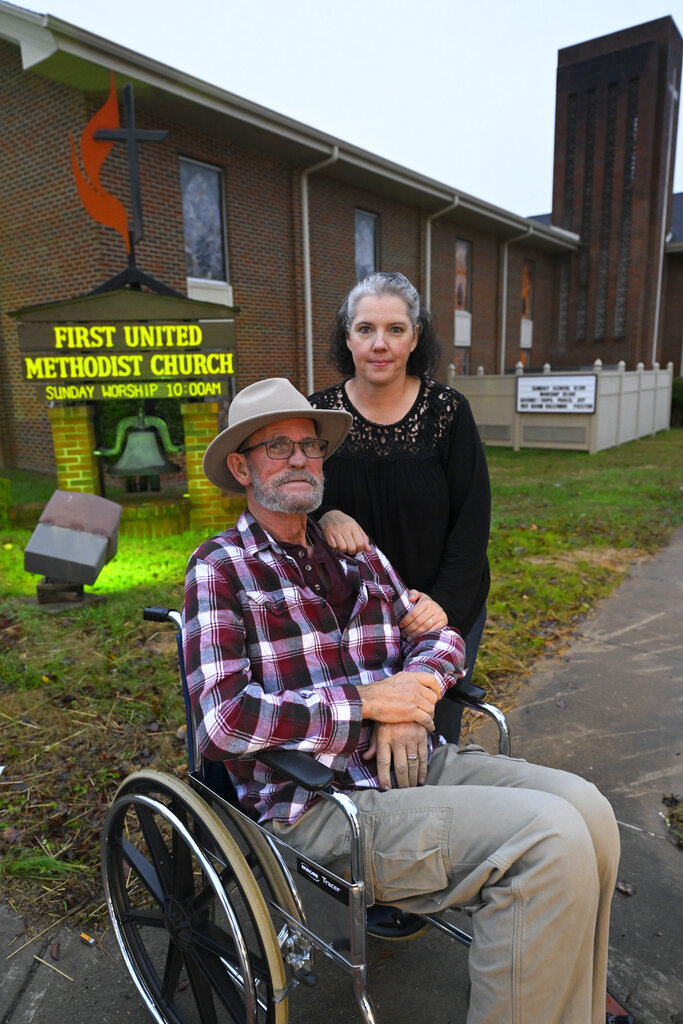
(406, 745)
(343, 532)
(424, 616)
(405, 697)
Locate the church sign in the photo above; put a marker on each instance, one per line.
(557, 393)
(127, 344)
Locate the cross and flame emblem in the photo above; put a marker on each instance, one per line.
(100, 204)
(99, 135)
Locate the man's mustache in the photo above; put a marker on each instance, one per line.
(293, 475)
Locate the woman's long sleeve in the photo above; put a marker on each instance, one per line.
(463, 573)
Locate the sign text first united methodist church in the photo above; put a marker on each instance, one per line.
(119, 360)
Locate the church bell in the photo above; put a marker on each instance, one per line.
(141, 447)
(142, 456)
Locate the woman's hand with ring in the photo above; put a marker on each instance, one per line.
(424, 616)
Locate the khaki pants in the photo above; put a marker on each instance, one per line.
(532, 850)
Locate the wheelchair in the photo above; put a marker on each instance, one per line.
(208, 907)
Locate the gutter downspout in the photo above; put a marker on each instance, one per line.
(428, 247)
(306, 261)
(665, 210)
(504, 303)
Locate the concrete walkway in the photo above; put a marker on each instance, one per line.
(611, 710)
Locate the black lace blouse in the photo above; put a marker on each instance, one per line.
(420, 489)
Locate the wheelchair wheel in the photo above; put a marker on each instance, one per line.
(192, 924)
(271, 874)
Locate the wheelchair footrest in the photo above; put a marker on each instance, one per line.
(306, 977)
(385, 922)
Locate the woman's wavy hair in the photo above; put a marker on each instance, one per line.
(423, 359)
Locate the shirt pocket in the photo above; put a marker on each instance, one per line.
(276, 603)
(380, 598)
(379, 622)
(380, 590)
(277, 618)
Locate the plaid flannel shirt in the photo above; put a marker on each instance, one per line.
(267, 665)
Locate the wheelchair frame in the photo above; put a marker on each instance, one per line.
(196, 887)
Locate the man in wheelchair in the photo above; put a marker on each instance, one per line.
(290, 644)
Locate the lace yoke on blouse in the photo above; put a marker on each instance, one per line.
(423, 431)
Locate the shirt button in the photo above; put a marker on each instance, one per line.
(317, 586)
(301, 554)
(308, 568)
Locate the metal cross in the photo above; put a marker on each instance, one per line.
(131, 136)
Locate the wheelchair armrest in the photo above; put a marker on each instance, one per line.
(298, 767)
(157, 613)
(466, 691)
(467, 695)
(448, 711)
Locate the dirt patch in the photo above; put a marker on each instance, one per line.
(65, 755)
(614, 559)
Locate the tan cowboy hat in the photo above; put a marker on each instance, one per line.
(261, 403)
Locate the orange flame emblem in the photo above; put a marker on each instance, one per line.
(100, 204)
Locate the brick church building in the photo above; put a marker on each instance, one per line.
(252, 211)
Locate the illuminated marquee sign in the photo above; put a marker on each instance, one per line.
(109, 357)
(556, 393)
(121, 341)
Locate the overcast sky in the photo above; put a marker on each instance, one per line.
(462, 92)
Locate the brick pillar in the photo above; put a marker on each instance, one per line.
(209, 510)
(73, 437)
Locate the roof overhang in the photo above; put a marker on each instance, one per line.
(123, 304)
(67, 54)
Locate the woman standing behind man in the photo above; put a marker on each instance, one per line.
(411, 474)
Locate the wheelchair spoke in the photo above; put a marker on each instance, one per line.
(202, 991)
(214, 942)
(215, 976)
(183, 882)
(172, 969)
(157, 847)
(143, 869)
(199, 903)
(141, 917)
(202, 835)
(211, 939)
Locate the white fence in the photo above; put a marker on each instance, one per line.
(627, 405)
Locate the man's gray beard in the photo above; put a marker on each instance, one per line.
(270, 496)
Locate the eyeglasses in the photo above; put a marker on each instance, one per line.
(282, 447)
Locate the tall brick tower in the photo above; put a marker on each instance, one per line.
(615, 144)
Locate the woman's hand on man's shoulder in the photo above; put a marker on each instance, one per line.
(343, 532)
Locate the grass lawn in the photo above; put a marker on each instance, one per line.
(89, 695)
